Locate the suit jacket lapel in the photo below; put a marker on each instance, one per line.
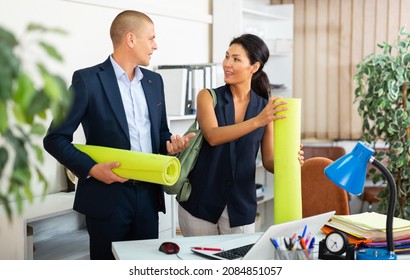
(147, 86)
(152, 100)
(109, 82)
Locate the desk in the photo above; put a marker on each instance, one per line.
(148, 249)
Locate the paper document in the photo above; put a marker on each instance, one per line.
(370, 225)
(372, 221)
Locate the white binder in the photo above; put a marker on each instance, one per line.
(175, 87)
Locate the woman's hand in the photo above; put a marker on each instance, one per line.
(301, 155)
(269, 113)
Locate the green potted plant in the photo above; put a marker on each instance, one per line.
(383, 98)
(29, 92)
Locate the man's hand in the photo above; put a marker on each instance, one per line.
(178, 143)
(103, 172)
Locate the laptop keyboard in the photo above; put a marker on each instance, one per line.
(235, 253)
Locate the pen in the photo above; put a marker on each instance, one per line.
(302, 242)
(307, 239)
(292, 241)
(281, 243)
(293, 238)
(304, 231)
(309, 242)
(207, 249)
(288, 245)
(312, 243)
(275, 243)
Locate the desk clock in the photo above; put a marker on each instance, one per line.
(336, 246)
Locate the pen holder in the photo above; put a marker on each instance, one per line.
(306, 254)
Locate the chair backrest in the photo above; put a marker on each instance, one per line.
(319, 194)
(331, 152)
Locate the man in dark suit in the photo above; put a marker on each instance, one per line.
(119, 105)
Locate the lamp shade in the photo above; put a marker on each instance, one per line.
(349, 171)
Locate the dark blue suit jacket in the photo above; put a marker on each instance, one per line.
(98, 107)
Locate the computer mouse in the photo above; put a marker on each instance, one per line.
(169, 248)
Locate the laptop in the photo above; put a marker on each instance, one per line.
(260, 247)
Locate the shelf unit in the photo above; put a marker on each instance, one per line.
(180, 124)
(177, 125)
(15, 240)
(52, 223)
(265, 206)
(257, 14)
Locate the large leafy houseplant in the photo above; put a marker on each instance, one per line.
(28, 93)
(384, 104)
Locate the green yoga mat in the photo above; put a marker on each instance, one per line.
(153, 168)
(287, 173)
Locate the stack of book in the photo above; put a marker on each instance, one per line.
(369, 230)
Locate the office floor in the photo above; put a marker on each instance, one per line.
(70, 246)
(61, 238)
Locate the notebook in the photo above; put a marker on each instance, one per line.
(263, 248)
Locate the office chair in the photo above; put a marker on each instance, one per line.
(370, 196)
(330, 152)
(319, 194)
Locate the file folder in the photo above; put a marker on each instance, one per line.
(176, 87)
(182, 84)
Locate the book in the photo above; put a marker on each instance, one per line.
(260, 192)
(370, 225)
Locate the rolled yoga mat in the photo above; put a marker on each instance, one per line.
(287, 204)
(153, 168)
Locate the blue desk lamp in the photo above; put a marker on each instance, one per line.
(349, 173)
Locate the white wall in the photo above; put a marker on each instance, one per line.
(182, 33)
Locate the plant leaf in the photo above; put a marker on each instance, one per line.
(3, 117)
(51, 51)
(25, 91)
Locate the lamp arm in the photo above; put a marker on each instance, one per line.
(392, 201)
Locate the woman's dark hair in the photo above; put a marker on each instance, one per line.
(257, 50)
